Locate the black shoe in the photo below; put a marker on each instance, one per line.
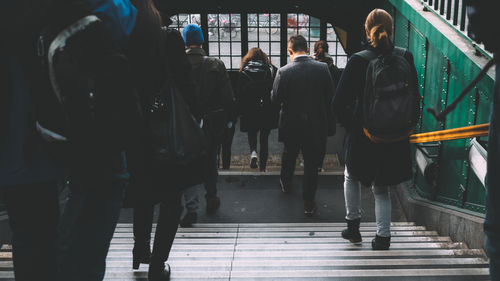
(262, 165)
(213, 204)
(253, 163)
(189, 219)
(309, 208)
(351, 233)
(159, 273)
(285, 188)
(141, 254)
(381, 243)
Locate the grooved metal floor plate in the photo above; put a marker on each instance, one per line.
(296, 251)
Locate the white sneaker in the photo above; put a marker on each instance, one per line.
(253, 160)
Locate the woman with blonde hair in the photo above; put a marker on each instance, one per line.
(258, 114)
(369, 162)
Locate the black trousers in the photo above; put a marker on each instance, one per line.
(166, 227)
(224, 149)
(264, 145)
(322, 154)
(311, 153)
(211, 170)
(33, 217)
(86, 229)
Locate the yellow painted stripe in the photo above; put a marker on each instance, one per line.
(451, 134)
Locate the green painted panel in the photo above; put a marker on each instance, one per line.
(417, 45)
(422, 188)
(485, 101)
(475, 194)
(454, 154)
(444, 70)
(400, 30)
(436, 87)
(436, 37)
(436, 81)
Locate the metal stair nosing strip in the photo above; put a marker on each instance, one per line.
(294, 251)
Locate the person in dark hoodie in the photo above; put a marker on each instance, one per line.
(96, 162)
(215, 93)
(28, 175)
(156, 53)
(483, 19)
(28, 172)
(258, 114)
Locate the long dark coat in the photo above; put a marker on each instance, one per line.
(255, 84)
(381, 164)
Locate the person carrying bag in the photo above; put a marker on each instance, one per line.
(173, 142)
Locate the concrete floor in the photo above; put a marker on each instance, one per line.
(249, 199)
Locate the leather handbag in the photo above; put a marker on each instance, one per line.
(176, 136)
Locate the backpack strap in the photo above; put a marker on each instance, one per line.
(60, 42)
(368, 55)
(371, 55)
(247, 76)
(399, 51)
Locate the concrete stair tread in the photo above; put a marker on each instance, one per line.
(296, 251)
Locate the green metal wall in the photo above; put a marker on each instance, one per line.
(443, 71)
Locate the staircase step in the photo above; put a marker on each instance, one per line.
(295, 251)
(285, 246)
(311, 234)
(272, 225)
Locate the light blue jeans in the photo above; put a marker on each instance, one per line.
(352, 195)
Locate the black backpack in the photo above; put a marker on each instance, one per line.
(86, 76)
(255, 90)
(390, 103)
(59, 70)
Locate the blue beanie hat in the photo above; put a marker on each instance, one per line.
(192, 35)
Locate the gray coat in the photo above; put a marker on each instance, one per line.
(303, 88)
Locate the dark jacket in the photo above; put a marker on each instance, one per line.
(23, 158)
(167, 57)
(212, 83)
(383, 164)
(302, 88)
(94, 150)
(335, 73)
(97, 144)
(255, 84)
